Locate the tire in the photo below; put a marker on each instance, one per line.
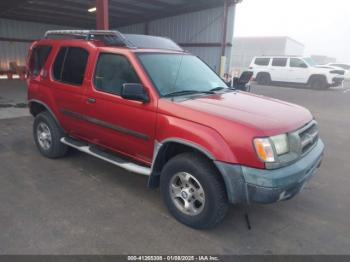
(47, 135)
(318, 83)
(263, 79)
(209, 200)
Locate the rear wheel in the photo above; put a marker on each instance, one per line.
(193, 191)
(318, 83)
(47, 135)
(263, 79)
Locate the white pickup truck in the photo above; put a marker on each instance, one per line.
(295, 70)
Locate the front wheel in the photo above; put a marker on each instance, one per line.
(193, 191)
(318, 83)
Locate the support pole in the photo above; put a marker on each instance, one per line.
(224, 28)
(146, 28)
(223, 42)
(102, 15)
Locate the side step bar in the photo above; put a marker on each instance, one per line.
(91, 150)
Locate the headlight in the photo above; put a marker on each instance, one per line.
(281, 144)
(266, 147)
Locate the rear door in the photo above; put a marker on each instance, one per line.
(68, 85)
(278, 69)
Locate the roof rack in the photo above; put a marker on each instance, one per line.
(115, 38)
(109, 37)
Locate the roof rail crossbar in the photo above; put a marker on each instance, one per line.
(109, 37)
(115, 38)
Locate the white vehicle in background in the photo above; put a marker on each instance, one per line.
(295, 70)
(345, 67)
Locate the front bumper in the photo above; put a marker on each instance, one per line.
(252, 185)
(337, 81)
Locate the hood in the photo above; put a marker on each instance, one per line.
(325, 66)
(269, 116)
(334, 69)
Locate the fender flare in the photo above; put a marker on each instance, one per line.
(159, 145)
(153, 180)
(47, 108)
(317, 76)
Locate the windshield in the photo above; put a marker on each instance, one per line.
(310, 61)
(178, 74)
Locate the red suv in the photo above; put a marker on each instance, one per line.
(145, 105)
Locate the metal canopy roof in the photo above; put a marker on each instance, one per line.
(121, 12)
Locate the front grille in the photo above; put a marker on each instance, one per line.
(339, 72)
(308, 137)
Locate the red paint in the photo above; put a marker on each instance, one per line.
(102, 15)
(224, 124)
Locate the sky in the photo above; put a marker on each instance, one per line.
(322, 26)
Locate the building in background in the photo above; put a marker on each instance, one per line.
(199, 33)
(245, 48)
(205, 28)
(16, 38)
(323, 59)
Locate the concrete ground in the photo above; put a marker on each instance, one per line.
(81, 205)
(13, 96)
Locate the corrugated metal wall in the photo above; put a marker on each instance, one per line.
(12, 51)
(17, 51)
(198, 27)
(26, 30)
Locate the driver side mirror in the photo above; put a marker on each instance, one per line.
(135, 92)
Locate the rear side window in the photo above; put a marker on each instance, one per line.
(70, 64)
(38, 59)
(279, 62)
(112, 71)
(262, 61)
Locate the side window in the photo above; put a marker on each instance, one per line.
(70, 64)
(296, 62)
(279, 62)
(112, 71)
(58, 64)
(38, 59)
(262, 61)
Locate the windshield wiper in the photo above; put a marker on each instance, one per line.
(218, 89)
(187, 92)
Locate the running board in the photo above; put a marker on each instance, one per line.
(91, 150)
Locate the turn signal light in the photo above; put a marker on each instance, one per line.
(264, 149)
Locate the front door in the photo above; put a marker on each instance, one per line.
(298, 71)
(118, 124)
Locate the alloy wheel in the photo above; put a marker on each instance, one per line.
(187, 193)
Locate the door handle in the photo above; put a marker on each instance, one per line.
(91, 100)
